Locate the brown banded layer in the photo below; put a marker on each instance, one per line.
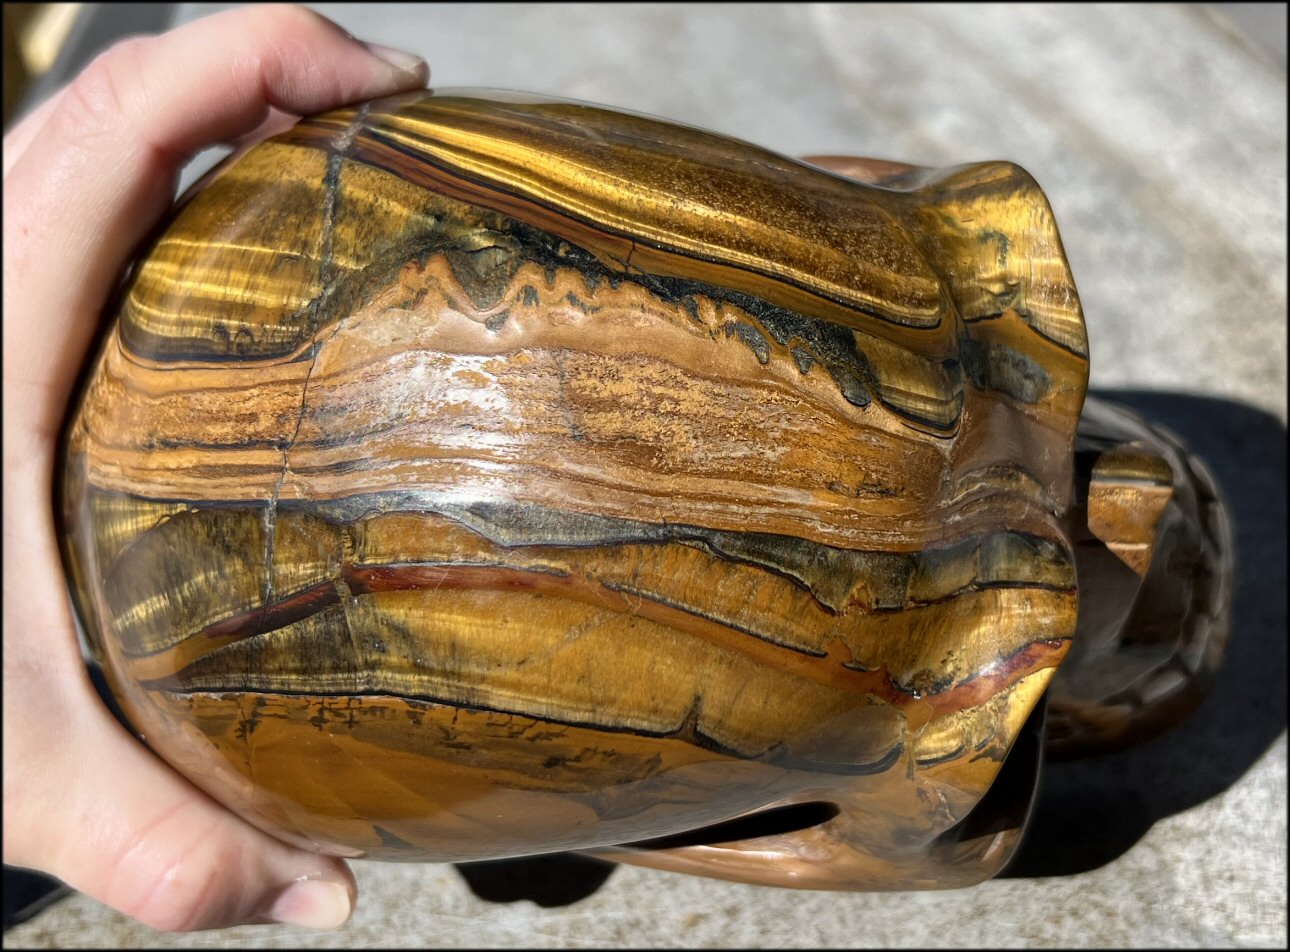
(461, 459)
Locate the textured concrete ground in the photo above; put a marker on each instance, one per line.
(1159, 135)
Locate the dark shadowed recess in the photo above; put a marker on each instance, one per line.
(27, 893)
(789, 819)
(1092, 811)
(558, 879)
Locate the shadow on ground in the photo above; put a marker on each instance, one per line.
(1092, 811)
(559, 879)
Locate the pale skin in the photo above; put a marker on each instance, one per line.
(86, 176)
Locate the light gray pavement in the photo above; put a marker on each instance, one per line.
(1159, 135)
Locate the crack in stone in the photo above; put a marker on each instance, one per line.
(340, 147)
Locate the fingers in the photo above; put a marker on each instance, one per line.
(101, 171)
(146, 842)
(86, 177)
(134, 835)
(86, 802)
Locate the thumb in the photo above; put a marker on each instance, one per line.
(136, 836)
(85, 801)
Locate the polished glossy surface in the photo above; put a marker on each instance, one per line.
(468, 476)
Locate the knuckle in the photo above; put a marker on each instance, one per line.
(98, 100)
(166, 905)
(171, 880)
(290, 37)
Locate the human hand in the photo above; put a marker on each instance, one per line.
(86, 176)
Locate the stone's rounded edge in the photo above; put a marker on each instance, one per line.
(829, 854)
(275, 596)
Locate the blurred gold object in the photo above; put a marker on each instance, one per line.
(33, 35)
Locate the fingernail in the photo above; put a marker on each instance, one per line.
(312, 903)
(399, 59)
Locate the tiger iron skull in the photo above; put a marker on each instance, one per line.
(469, 475)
